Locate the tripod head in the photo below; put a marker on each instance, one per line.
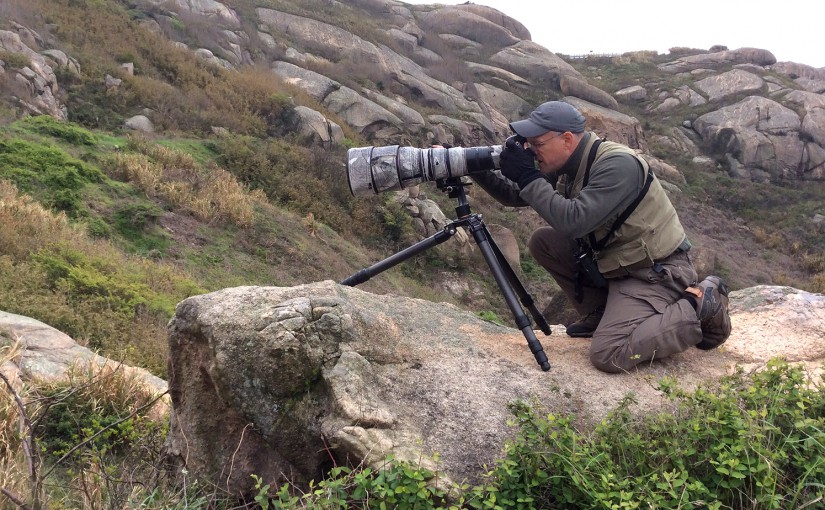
(454, 187)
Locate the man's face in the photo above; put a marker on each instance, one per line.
(551, 150)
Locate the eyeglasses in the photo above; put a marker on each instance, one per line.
(538, 144)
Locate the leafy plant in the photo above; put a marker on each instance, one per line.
(49, 126)
(47, 172)
(756, 443)
(397, 484)
(14, 60)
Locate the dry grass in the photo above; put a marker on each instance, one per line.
(210, 195)
(85, 287)
(103, 390)
(27, 226)
(15, 465)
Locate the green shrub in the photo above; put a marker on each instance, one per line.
(738, 444)
(491, 316)
(98, 228)
(397, 484)
(98, 404)
(47, 125)
(14, 60)
(47, 173)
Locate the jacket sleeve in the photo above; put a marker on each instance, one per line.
(615, 182)
(500, 188)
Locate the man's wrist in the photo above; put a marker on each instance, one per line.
(527, 177)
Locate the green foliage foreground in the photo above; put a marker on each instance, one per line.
(753, 442)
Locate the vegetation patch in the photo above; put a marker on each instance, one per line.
(49, 126)
(47, 172)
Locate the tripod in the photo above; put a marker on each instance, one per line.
(505, 277)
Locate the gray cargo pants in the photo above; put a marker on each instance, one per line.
(645, 317)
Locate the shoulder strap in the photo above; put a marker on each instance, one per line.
(590, 159)
(600, 244)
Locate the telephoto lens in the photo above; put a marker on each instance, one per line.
(373, 170)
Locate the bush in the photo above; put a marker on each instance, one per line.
(178, 179)
(85, 288)
(397, 484)
(739, 444)
(49, 126)
(14, 60)
(46, 172)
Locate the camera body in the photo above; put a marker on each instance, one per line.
(587, 266)
(373, 170)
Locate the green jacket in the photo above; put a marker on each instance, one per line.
(617, 176)
(650, 233)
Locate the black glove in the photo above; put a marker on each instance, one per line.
(518, 164)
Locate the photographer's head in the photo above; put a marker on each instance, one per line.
(553, 131)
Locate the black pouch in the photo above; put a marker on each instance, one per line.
(587, 269)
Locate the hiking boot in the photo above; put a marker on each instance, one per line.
(712, 309)
(584, 327)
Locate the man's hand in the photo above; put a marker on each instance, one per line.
(518, 164)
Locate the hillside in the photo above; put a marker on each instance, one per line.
(194, 146)
(156, 150)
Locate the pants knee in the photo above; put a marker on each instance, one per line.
(545, 242)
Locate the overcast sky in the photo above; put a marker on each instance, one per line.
(793, 30)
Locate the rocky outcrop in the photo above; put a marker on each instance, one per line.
(44, 354)
(794, 70)
(498, 18)
(760, 139)
(33, 84)
(470, 24)
(527, 58)
(213, 11)
(720, 59)
(731, 83)
(613, 125)
(343, 374)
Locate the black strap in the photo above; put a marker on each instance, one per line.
(590, 159)
(600, 244)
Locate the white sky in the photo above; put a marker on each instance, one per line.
(793, 30)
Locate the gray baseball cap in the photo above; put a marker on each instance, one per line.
(555, 116)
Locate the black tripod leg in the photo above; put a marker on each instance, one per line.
(525, 298)
(483, 240)
(365, 274)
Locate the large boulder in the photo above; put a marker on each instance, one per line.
(720, 59)
(759, 137)
(731, 83)
(47, 355)
(615, 126)
(312, 124)
(572, 86)
(470, 24)
(283, 382)
(35, 87)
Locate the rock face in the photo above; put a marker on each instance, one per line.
(719, 59)
(760, 137)
(279, 381)
(48, 355)
(35, 85)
